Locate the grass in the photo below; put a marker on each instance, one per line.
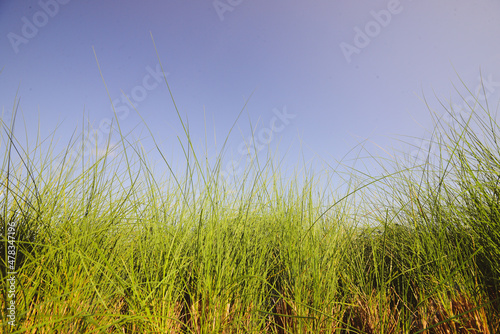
(102, 246)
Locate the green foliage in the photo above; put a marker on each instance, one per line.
(100, 254)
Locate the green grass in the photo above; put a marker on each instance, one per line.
(103, 246)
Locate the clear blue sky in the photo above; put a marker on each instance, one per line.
(345, 70)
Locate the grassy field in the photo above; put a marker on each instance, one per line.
(102, 246)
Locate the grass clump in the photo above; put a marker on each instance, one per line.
(105, 246)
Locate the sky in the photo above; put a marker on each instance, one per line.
(315, 78)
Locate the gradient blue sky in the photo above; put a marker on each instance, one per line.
(288, 53)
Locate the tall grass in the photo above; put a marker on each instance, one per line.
(103, 245)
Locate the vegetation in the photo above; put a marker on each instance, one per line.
(103, 246)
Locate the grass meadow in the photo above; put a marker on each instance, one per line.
(104, 246)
